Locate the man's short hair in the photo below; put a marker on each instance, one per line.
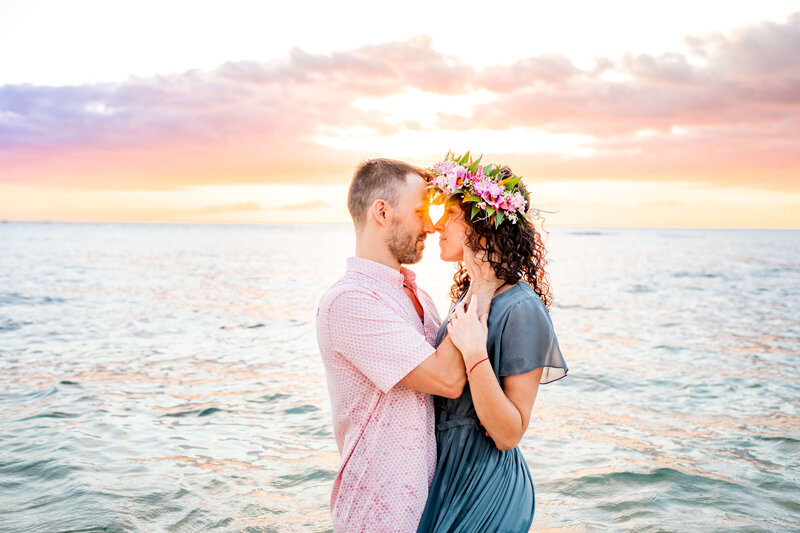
(377, 179)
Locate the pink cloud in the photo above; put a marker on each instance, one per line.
(547, 69)
(727, 109)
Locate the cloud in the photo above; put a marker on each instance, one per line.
(268, 100)
(726, 109)
(244, 122)
(227, 208)
(304, 206)
(662, 203)
(547, 69)
(748, 77)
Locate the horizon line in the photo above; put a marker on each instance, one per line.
(305, 223)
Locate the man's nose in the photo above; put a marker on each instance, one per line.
(429, 227)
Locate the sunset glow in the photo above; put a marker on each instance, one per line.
(690, 122)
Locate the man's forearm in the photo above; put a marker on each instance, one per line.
(453, 371)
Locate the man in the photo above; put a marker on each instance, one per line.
(376, 332)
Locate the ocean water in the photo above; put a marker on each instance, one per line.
(166, 378)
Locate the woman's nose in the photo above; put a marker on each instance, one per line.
(439, 226)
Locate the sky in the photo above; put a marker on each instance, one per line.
(616, 113)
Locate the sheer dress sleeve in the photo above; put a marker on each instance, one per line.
(529, 342)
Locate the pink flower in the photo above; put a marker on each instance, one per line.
(462, 174)
(452, 181)
(441, 183)
(518, 201)
(443, 167)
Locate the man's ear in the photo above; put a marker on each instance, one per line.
(379, 212)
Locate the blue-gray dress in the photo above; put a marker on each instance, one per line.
(477, 487)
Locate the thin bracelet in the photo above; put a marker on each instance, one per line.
(476, 364)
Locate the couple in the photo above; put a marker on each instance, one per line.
(427, 415)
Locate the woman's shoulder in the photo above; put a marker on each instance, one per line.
(520, 309)
(520, 297)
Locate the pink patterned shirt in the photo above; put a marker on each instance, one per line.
(371, 337)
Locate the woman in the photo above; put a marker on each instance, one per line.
(482, 482)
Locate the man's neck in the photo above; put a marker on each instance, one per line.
(378, 254)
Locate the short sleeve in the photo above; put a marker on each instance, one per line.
(376, 339)
(529, 342)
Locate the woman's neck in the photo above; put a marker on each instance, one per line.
(503, 288)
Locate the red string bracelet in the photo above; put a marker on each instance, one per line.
(476, 364)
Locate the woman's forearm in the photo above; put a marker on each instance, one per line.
(497, 413)
(501, 418)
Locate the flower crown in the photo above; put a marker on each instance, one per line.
(495, 194)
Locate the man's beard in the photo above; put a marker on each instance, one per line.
(403, 245)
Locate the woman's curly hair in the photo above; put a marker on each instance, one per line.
(515, 251)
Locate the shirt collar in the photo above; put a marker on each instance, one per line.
(383, 273)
